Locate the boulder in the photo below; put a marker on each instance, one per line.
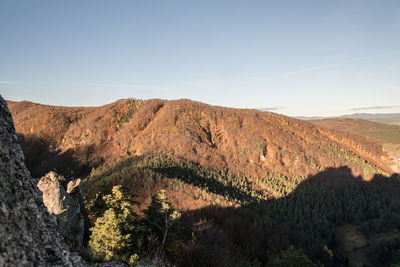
(67, 206)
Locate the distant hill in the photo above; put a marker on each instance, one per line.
(387, 118)
(387, 135)
(242, 141)
(380, 132)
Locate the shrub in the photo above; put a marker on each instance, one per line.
(112, 234)
(161, 219)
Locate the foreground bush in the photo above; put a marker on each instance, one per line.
(113, 233)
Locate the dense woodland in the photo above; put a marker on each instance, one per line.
(247, 142)
(252, 220)
(187, 184)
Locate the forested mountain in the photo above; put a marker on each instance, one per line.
(252, 188)
(386, 135)
(240, 140)
(382, 133)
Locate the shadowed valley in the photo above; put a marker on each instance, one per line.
(253, 188)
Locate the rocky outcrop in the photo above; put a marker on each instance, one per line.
(28, 233)
(67, 205)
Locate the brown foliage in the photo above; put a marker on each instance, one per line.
(242, 140)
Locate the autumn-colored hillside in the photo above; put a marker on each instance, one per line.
(249, 184)
(386, 135)
(383, 133)
(243, 141)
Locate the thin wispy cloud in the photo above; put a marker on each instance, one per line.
(309, 69)
(110, 85)
(270, 108)
(325, 66)
(373, 107)
(10, 82)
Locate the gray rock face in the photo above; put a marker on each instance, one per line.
(28, 233)
(66, 205)
(54, 196)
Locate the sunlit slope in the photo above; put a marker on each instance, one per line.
(386, 135)
(243, 141)
(380, 132)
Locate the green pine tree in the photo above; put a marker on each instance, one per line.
(162, 218)
(112, 234)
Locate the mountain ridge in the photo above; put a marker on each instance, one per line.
(385, 134)
(244, 141)
(386, 118)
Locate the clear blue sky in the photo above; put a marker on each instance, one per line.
(296, 57)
